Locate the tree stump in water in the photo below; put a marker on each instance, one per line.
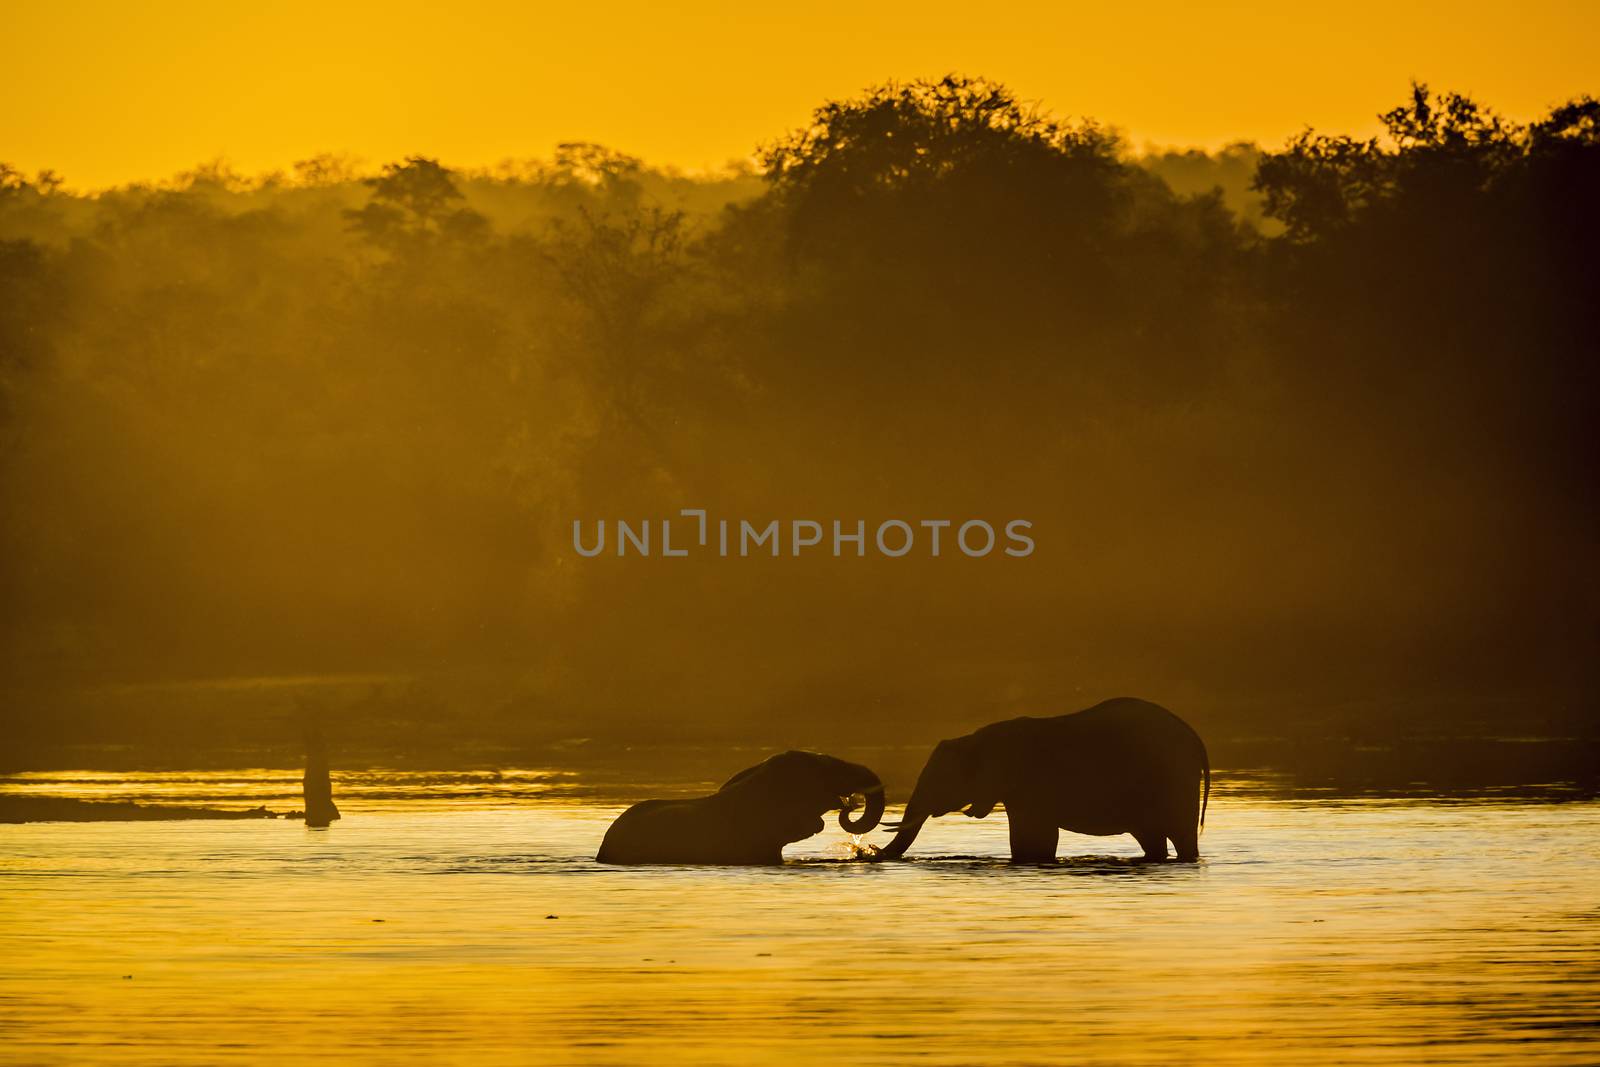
(317, 786)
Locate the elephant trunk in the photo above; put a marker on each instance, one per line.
(871, 815)
(910, 826)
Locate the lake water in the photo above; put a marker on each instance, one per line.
(460, 919)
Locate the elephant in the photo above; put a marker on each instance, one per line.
(751, 818)
(1124, 766)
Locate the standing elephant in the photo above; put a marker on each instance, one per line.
(1121, 767)
(751, 818)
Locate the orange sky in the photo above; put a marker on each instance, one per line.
(112, 92)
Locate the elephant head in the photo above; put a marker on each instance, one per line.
(801, 786)
(957, 777)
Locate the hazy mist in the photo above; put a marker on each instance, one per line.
(1306, 436)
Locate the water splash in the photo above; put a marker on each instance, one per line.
(860, 849)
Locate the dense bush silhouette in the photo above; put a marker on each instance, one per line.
(1313, 444)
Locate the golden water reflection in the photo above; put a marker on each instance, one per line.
(430, 928)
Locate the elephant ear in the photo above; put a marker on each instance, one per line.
(779, 796)
(984, 773)
(781, 774)
(745, 774)
(798, 825)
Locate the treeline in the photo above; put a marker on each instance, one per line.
(1298, 430)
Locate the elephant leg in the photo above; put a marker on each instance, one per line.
(1187, 843)
(1154, 843)
(1033, 840)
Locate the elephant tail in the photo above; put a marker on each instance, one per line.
(1205, 799)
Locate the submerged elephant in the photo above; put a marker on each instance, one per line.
(1121, 767)
(751, 818)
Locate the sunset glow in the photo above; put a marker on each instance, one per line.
(112, 93)
(722, 534)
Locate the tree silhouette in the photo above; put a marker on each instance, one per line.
(414, 204)
(916, 167)
(329, 424)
